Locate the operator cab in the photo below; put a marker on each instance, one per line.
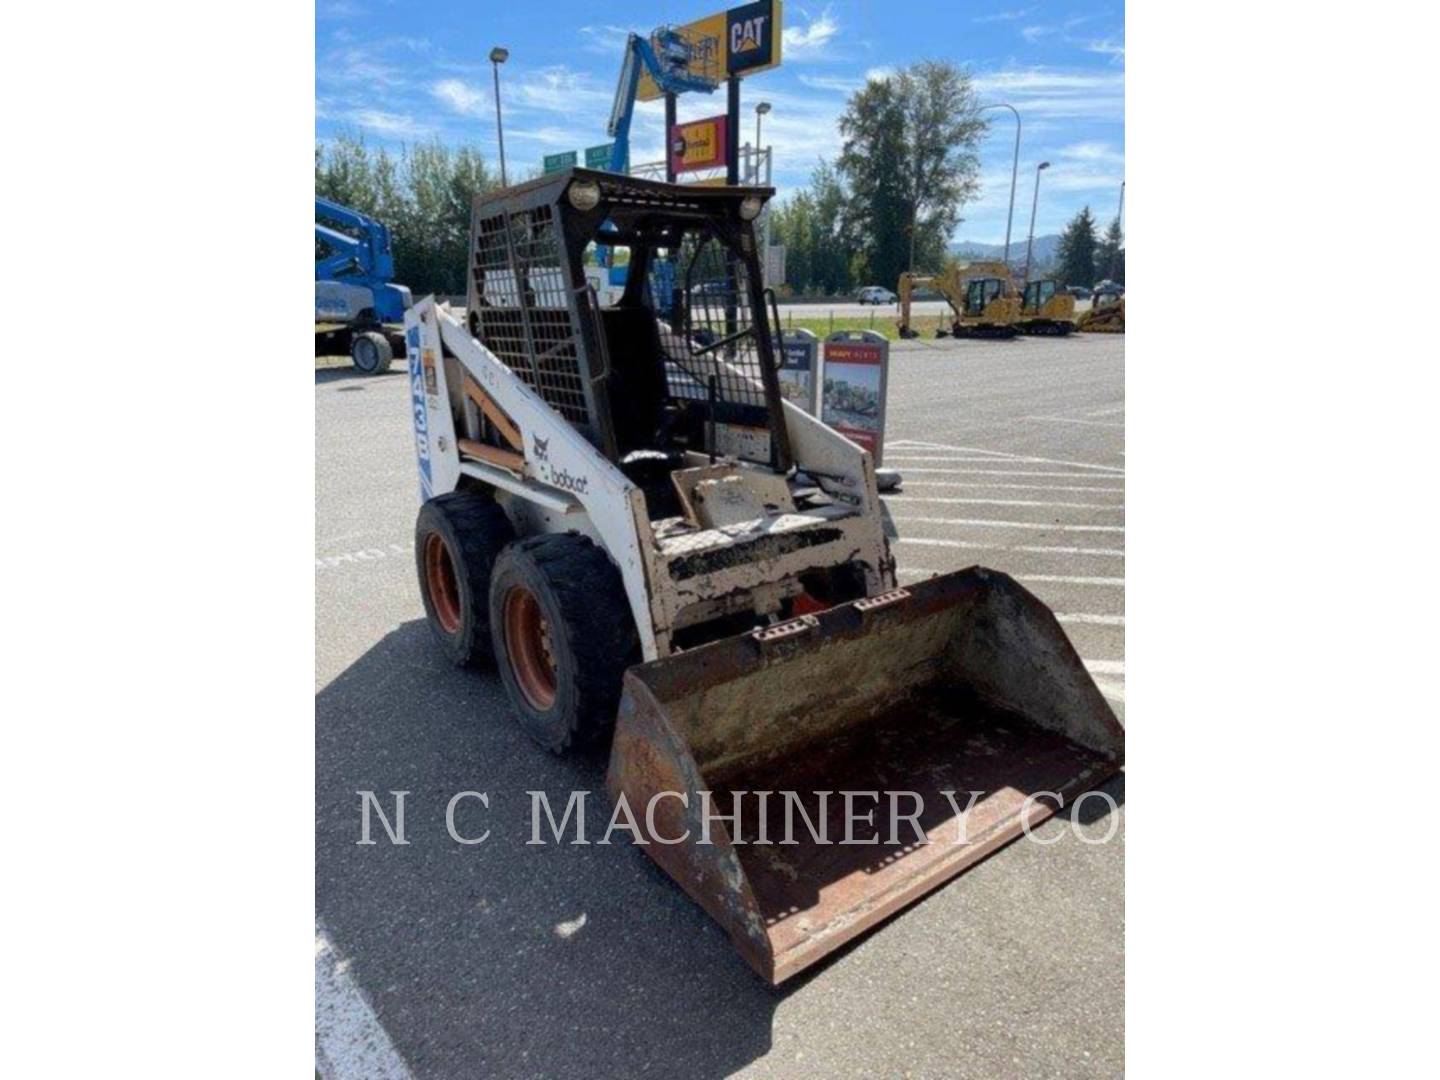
(681, 369)
(1037, 294)
(980, 292)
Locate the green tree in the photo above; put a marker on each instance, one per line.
(1077, 250)
(424, 199)
(909, 163)
(1110, 255)
(817, 250)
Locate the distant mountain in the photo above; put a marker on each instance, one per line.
(1046, 248)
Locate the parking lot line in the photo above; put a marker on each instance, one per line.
(1086, 619)
(1072, 420)
(1039, 549)
(1105, 667)
(954, 500)
(349, 1038)
(1003, 472)
(1062, 579)
(991, 523)
(999, 456)
(970, 485)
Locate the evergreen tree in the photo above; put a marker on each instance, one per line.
(1077, 250)
(1110, 255)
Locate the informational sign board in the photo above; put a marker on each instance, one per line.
(560, 162)
(741, 41)
(800, 370)
(857, 364)
(700, 144)
(598, 157)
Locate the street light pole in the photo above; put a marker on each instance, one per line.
(1030, 244)
(1014, 172)
(498, 56)
(760, 110)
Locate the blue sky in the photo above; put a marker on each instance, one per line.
(399, 71)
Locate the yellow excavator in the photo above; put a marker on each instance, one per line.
(1046, 309)
(1106, 314)
(979, 293)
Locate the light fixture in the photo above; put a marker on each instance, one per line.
(499, 54)
(584, 195)
(763, 108)
(750, 207)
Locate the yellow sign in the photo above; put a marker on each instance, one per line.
(698, 145)
(741, 41)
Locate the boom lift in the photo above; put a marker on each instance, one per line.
(622, 513)
(979, 294)
(675, 62)
(355, 299)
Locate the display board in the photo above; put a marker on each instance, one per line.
(738, 42)
(857, 364)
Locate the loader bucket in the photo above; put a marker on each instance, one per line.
(962, 683)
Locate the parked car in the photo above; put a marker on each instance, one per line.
(1079, 292)
(875, 294)
(1109, 286)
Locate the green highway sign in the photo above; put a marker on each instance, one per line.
(560, 162)
(598, 157)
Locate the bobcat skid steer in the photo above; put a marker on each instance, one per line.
(622, 513)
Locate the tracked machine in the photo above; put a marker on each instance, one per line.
(981, 299)
(623, 515)
(1046, 310)
(1106, 314)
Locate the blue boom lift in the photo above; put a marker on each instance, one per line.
(355, 299)
(677, 64)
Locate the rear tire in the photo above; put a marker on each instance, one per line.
(370, 353)
(457, 537)
(563, 637)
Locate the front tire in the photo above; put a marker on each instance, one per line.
(370, 353)
(457, 537)
(563, 637)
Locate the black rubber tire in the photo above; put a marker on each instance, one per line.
(592, 635)
(474, 530)
(370, 353)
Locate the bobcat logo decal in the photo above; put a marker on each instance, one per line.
(542, 447)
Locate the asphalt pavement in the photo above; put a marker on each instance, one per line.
(436, 959)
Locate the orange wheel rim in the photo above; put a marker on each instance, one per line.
(527, 642)
(441, 584)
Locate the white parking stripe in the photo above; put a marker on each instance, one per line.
(1040, 549)
(1070, 420)
(1019, 457)
(990, 523)
(1008, 502)
(1002, 472)
(1112, 690)
(349, 1039)
(1061, 579)
(1085, 619)
(969, 485)
(1105, 667)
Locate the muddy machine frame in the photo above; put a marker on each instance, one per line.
(621, 513)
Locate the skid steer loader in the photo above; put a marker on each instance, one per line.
(622, 513)
(981, 299)
(1046, 310)
(1106, 314)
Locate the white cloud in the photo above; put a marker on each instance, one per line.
(1058, 94)
(1033, 34)
(460, 96)
(879, 74)
(802, 43)
(606, 38)
(394, 125)
(556, 89)
(1004, 16)
(1092, 151)
(1107, 47)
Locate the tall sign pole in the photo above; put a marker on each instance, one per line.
(669, 134)
(732, 123)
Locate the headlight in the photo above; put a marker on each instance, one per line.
(584, 194)
(751, 206)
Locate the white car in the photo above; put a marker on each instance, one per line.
(875, 294)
